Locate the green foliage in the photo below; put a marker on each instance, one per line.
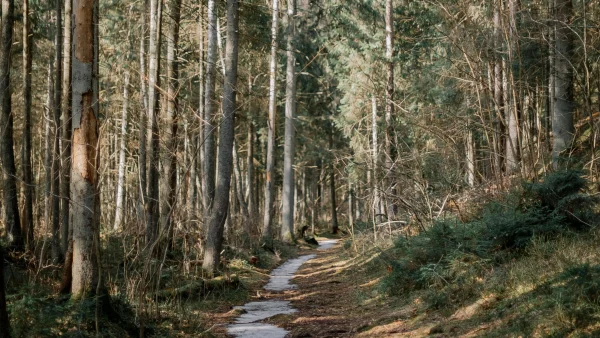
(452, 253)
(507, 227)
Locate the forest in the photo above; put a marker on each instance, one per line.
(429, 167)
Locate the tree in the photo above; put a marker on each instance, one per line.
(226, 139)
(267, 232)
(56, 167)
(562, 120)
(7, 155)
(210, 124)
(287, 213)
(151, 202)
(121, 175)
(389, 104)
(85, 160)
(169, 178)
(142, 165)
(65, 183)
(26, 157)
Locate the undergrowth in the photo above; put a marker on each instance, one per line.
(531, 253)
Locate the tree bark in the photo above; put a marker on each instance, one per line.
(142, 165)
(26, 150)
(512, 122)
(226, 139)
(210, 108)
(562, 121)
(271, 123)
(56, 168)
(12, 221)
(287, 224)
(169, 178)
(389, 106)
(498, 95)
(121, 175)
(84, 169)
(152, 205)
(65, 184)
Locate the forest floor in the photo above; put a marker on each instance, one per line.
(335, 298)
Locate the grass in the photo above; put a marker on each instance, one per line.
(527, 265)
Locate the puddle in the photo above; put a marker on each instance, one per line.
(246, 325)
(280, 277)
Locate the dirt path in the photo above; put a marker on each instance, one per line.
(334, 298)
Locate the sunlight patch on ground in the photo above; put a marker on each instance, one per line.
(371, 283)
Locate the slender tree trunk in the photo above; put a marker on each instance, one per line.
(562, 121)
(4, 322)
(389, 106)
(375, 151)
(498, 96)
(47, 160)
(252, 204)
(198, 156)
(551, 70)
(151, 207)
(12, 221)
(512, 123)
(240, 189)
(84, 169)
(65, 183)
(143, 175)
(287, 224)
(169, 178)
(121, 175)
(26, 151)
(270, 167)
(226, 138)
(56, 168)
(210, 109)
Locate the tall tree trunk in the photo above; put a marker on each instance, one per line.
(375, 153)
(65, 184)
(26, 150)
(210, 109)
(252, 203)
(144, 113)
(226, 138)
(498, 96)
(287, 224)
(271, 123)
(47, 159)
(562, 121)
(12, 221)
(390, 157)
(4, 322)
(512, 122)
(151, 207)
(84, 169)
(56, 168)
(240, 189)
(169, 178)
(198, 156)
(121, 175)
